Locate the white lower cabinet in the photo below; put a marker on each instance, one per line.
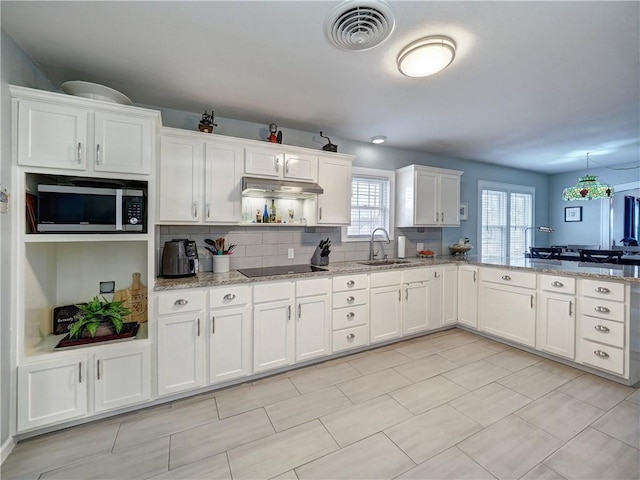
(313, 317)
(444, 296)
(416, 285)
(273, 326)
(350, 314)
(385, 298)
(468, 295)
(556, 322)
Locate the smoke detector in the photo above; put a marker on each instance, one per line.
(358, 25)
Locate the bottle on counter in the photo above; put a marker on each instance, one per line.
(272, 212)
(265, 214)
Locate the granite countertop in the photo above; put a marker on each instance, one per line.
(627, 273)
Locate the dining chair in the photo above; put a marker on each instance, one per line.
(600, 256)
(548, 253)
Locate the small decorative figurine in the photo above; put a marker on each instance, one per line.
(275, 136)
(329, 147)
(206, 124)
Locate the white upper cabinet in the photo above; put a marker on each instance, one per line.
(222, 177)
(427, 196)
(334, 205)
(272, 160)
(62, 132)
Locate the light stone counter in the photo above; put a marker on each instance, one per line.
(627, 273)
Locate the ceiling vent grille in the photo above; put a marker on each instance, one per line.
(359, 25)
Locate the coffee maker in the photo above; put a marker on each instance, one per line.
(179, 258)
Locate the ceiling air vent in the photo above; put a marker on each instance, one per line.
(359, 25)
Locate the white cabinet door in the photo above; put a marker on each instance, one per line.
(122, 377)
(468, 295)
(301, 167)
(223, 174)
(51, 392)
(385, 310)
(122, 143)
(313, 315)
(449, 294)
(334, 205)
(426, 199)
(273, 335)
(449, 193)
(229, 343)
(180, 180)
(508, 312)
(180, 359)
(415, 307)
(265, 162)
(435, 302)
(557, 324)
(52, 136)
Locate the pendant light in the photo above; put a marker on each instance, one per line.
(588, 188)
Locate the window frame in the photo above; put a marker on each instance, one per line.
(375, 173)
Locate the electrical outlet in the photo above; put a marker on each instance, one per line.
(290, 254)
(419, 246)
(107, 287)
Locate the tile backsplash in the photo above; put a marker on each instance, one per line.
(261, 246)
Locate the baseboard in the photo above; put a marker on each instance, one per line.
(6, 449)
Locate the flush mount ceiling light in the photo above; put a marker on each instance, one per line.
(587, 188)
(378, 139)
(359, 25)
(426, 56)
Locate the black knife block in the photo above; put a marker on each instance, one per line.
(318, 259)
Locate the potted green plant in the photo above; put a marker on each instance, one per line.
(99, 318)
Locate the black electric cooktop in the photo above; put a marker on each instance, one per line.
(280, 270)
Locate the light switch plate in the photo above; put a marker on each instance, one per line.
(420, 246)
(290, 253)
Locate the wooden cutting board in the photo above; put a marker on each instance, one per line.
(134, 298)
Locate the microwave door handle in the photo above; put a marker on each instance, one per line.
(119, 208)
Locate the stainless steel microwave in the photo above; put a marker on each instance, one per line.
(77, 209)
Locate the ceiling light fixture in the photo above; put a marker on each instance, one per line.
(426, 56)
(587, 188)
(378, 139)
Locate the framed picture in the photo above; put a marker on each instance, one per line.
(572, 214)
(464, 207)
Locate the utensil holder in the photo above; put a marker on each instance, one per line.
(318, 259)
(220, 263)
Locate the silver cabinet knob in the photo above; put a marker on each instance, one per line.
(602, 328)
(602, 309)
(181, 302)
(350, 315)
(506, 277)
(351, 299)
(351, 336)
(350, 283)
(230, 296)
(603, 290)
(557, 284)
(601, 354)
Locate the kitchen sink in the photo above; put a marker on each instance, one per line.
(382, 263)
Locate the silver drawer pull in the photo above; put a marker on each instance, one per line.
(557, 284)
(506, 277)
(229, 296)
(602, 309)
(350, 283)
(181, 302)
(350, 315)
(351, 336)
(602, 328)
(603, 290)
(601, 354)
(351, 299)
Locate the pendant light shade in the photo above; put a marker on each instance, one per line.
(426, 56)
(587, 188)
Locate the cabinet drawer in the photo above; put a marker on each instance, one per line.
(602, 356)
(349, 299)
(229, 296)
(595, 307)
(415, 275)
(508, 277)
(271, 292)
(385, 279)
(603, 331)
(184, 301)
(350, 282)
(350, 338)
(554, 283)
(313, 286)
(600, 289)
(350, 316)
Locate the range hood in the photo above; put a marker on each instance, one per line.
(273, 187)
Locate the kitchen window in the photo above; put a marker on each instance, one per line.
(372, 205)
(506, 219)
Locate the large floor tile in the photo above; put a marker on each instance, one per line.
(423, 348)
(318, 378)
(560, 414)
(206, 440)
(301, 409)
(355, 423)
(281, 452)
(622, 422)
(476, 374)
(490, 403)
(139, 462)
(378, 361)
(513, 360)
(452, 464)
(559, 368)
(635, 396)
(214, 468)
(592, 454)
(370, 386)
(239, 400)
(597, 391)
(510, 448)
(432, 432)
(290, 475)
(533, 381)
(541, 472)
(424, 395)
(492, 344)
(425, 367)
(467, 353)
(374, 457)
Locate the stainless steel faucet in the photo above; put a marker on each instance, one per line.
(371, 254)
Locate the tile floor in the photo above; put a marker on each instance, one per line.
(451, 405)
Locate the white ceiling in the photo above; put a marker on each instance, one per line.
(534, 85)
